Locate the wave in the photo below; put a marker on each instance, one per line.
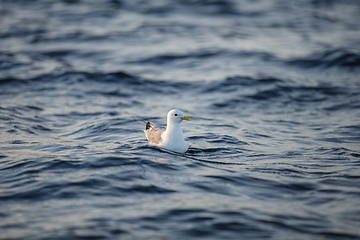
(166, 59)
(332, 58)
(278, 91)
(123, 78)
(234, 83)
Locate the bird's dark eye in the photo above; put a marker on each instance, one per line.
(175, 114)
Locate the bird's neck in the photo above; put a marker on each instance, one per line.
(175, 129)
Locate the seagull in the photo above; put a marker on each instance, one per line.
(172, 137)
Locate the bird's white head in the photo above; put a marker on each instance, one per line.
(176, 116)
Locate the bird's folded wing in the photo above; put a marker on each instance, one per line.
(153, 134)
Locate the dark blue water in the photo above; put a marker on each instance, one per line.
(272, 87)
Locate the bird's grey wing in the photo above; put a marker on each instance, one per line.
(153, 133)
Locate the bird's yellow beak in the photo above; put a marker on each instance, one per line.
(186, 118)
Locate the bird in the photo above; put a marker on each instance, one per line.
(171, 138)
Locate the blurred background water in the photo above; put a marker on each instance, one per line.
(273, 89)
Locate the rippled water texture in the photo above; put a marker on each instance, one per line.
(272, 87)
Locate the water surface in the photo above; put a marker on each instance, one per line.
(272, 87)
